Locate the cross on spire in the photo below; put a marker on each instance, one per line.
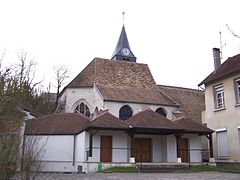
(123, 13)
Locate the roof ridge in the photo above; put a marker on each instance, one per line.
(179, 87)
(168, 97)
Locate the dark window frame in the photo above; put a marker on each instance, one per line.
(125, 112)
(162, 111)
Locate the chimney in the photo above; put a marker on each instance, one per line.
(216, 58)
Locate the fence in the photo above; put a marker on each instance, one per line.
(190, 156)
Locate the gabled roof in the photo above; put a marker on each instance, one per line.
(230, 67)
(121, 81)
(105, 120)
(135, 95)
(192, 127)
(146, 121)
(114, 73)
(191, 101)
(152, 120)
(57, 124)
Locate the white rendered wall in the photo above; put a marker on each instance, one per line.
(80, 149)
(114, 108)
(119, 145)
(74, 95)
(195, 147)
(57, 152)
(227, 118)
(171, 149)
(163, 147)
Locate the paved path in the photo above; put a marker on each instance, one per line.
(140, 176)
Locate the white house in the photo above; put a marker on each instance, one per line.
(114, 113)
(222, 113)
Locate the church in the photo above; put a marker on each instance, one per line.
(114, 114)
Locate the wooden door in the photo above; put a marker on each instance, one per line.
(106, 149)
(183, 146)
(142, 149)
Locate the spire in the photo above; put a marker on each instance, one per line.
(123, 51)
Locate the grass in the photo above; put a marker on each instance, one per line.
(197, 168)
(121, 170)
(204, 168)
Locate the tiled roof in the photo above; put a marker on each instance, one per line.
(146, 120)
(191, 101)
(136, 95)
(59, 123)
(107, 121)
(114, 73)
(192, 127)
(150, 119)
(121, 81)
(229, 67)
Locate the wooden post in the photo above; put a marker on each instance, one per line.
(131, 135)
(211, 146)
(90, 143)
(132, 154)
(209, 136)
(178, 136)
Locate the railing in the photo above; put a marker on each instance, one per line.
(140, 156)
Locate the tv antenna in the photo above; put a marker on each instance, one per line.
(221, 44)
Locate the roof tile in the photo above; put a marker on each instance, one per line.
(121, 81)
(229, 67)
(150, 119)
(59, 123)
(191, 126)
(191, 101)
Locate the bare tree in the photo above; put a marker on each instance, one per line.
(61, 75)
(31, 160)
(16, 91)
(231, 31)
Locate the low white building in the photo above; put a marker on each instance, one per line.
(73, 143)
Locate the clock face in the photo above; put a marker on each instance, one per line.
(125, 51)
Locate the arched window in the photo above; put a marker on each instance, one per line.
(162, 111)
(125, 112)
(83, 108)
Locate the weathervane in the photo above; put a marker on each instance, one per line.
(123, 13)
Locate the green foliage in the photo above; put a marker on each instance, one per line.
(17, 92)
(206, 168)
(9, 149)
(121, 170)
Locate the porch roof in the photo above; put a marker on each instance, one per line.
(105, 120)
(144, 122)
(192, 127)
(148, 120)
(56, 124)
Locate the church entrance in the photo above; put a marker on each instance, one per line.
(142, 149)
(183, 146)
(106, 149)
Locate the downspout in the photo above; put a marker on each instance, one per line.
(74, 146)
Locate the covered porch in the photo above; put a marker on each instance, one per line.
(146, 137)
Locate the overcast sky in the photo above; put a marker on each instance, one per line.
(175, 38)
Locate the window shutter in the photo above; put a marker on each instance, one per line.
(222, 142)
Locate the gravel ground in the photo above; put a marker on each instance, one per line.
(138, 176)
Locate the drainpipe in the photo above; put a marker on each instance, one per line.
(209, 136)
(74, 149)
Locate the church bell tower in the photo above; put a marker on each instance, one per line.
(123, 51)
